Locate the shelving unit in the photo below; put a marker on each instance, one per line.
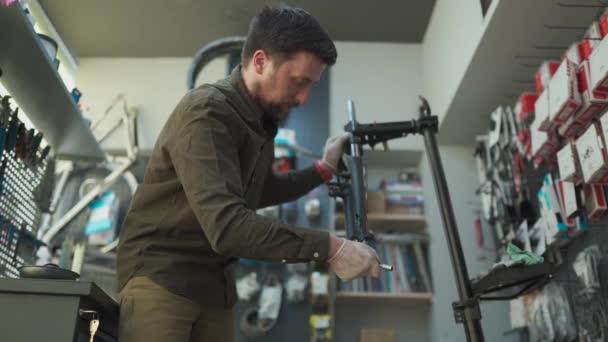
(425, 297)
(395, 223)
(31, 79)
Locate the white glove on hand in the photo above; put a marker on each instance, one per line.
(334, 147)
(353, 260)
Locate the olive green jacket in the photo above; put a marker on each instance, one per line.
(194, 214)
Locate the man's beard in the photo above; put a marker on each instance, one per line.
(272, 110)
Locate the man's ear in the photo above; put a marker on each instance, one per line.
(260, 61)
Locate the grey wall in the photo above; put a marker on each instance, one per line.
(383, 79)
(459, 166)
(153, 86)
(449, 43)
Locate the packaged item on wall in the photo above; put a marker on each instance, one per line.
(592, 155)
(604, 24)
(593, 103)
(101, 227)
(603, 124)
(544, 74)
(590, 41)
(496, 119)
(564, 98)
(595, 200)
(567, 161)
(541, 146)
(524, 108)
(562, 189)
(525, 139)
(523, 238)
(587, 300)
(570, 199)
(551, 316)
(542, 110)
(598, 68)
(585, 266)
(573, 54)
(582, 221)
(550, 208)
(571, 128)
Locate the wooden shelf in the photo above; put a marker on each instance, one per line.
(396, 223)
(424, 297)
(31, 79)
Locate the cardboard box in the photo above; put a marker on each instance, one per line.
(569, 170)
(378, 335)
(376, 202)
(524, 108)
(542, 110)
(525, 139)
(571, 129)
(598, 68)
(570, 199)
(541, 145)
(604, 24)
(562, 188)
(573, 54)
(590, 41)
(544, 74)
(550, 208)
(592, 155)
(595, 200)
(593, 103)
(564, 98)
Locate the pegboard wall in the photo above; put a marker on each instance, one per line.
(25, 190)
(588, 307)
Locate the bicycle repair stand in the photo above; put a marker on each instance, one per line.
(350, 186)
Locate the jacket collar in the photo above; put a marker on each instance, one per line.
(255, 114)
(236, 79)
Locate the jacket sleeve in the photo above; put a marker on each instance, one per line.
(289, 186)
(205, 156)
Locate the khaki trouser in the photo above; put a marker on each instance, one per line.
(151, 313)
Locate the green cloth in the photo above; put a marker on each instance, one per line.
(519, 255)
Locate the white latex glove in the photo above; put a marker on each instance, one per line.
(334, 147)
(353, 260)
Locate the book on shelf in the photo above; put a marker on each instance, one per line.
(410, 271)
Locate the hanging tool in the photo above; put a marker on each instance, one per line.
(45, 152)
(21, 141)
(11, 138)
(5, 114)
(33, 147)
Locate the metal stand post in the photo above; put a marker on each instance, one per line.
(467, 310)
(352, 190)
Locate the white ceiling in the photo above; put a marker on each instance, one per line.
(161, 28)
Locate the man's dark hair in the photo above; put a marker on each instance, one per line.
(282, 31)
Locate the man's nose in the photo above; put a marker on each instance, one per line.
(302, 96)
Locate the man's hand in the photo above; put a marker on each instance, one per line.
(334, 147)
(352, 259)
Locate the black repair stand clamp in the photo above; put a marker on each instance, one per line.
(350, 186)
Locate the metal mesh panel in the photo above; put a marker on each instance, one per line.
(20, 211)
